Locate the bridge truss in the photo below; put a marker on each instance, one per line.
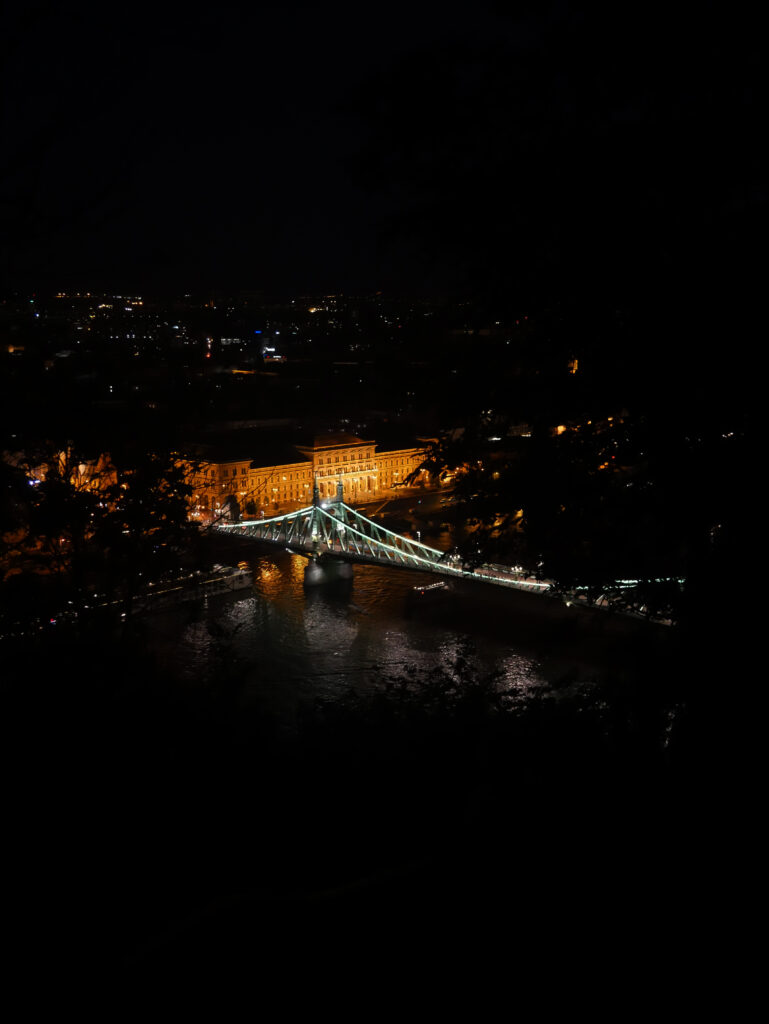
(334, 529)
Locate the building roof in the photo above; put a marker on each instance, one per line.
(258, 451)
(338, 440)
(279, 455)
(263, 449)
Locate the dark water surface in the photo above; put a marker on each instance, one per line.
(289, 645)
(363, 825)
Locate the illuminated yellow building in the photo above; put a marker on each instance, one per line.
(263, 489)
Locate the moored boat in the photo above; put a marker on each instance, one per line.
(194, 586)
(429, 593)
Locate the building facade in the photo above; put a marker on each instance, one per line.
(263, 490)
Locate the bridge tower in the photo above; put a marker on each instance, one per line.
(322, 568)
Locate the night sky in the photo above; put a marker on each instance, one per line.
(537, 150)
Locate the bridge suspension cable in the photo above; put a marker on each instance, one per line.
(334, 529)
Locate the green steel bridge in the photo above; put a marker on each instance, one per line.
(332, 535)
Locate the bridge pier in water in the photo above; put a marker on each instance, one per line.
(320, 570)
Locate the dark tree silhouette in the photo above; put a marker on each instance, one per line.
(145, 526)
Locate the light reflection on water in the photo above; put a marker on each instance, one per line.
(288, 646)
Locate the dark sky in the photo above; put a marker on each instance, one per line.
(331, 146)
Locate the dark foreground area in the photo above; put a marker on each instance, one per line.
(156, 831)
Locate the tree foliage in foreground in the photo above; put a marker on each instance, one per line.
(145, 523)
(101, 525)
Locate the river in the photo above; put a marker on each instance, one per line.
(290, 647)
